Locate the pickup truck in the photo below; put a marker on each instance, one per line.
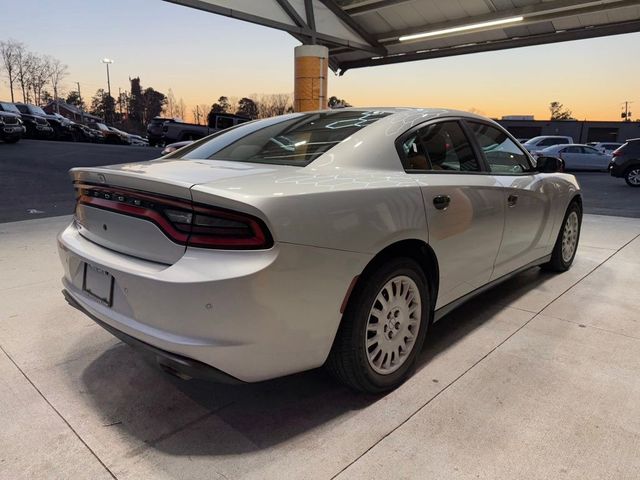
(173, 131)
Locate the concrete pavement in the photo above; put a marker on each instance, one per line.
(537, 378)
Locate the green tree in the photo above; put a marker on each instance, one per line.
(247, 108)
(153, 102)
(74, 99)
(103, 105)
(558, 112)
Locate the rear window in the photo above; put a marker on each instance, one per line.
(632, 146)
(296, 141)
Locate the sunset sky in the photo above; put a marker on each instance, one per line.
(202, 56)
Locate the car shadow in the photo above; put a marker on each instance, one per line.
(155, 407)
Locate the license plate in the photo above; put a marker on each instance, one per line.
(98, 283)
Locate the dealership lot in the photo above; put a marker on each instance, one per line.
(535, 379)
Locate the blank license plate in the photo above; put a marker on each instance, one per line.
(98, 283)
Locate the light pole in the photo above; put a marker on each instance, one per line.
(107, 61)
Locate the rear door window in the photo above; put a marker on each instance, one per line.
(439, 147)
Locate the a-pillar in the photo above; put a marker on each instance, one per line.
(311, 69)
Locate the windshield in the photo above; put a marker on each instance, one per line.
(9, 107)
(295, 141)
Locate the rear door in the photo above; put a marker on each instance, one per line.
(464, 205)
(528, 219)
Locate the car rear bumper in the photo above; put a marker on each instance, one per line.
(254, 315)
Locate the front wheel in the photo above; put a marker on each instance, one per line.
(632, 176)
(383, 328)
(566, 245)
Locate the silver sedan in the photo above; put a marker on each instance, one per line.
(578, 157)
(327, 238)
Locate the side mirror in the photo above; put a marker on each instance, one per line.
(549, 165)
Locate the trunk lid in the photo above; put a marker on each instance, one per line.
(111, 197)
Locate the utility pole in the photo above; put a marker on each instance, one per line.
(120, 102)
(107, 61)
(80, 100)
(626, 115)
(197, 115)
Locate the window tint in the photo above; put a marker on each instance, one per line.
(572, 149)
(503, 154)
(224, 122)
(296, 140)
(440, 147)
(590, 150)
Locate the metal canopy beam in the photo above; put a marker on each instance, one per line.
(532, 14)
(294, 30)
(372, 7)
(564, 36)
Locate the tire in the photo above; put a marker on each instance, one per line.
(362, 368)
(632, 176)
(571, 225)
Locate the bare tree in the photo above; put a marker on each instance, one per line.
(270, 105)
(170, 106)
(39, 73)
(24, 59)
(57, 71)
(9, 55)
(181, 109)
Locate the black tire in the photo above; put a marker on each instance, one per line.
(348, 360)
(632, 173)
(557, 262)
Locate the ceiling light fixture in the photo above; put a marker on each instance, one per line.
(463, 28)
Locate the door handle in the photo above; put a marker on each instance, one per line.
(441, 202)
(512, 200)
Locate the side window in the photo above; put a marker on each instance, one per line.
(561, 141)
(573, 149)
(503, 154)
(439, 147)
(590, 150)
(224, 122)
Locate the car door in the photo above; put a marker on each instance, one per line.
(464, 205)
(594, 159)
(573, 157)
(528, 215)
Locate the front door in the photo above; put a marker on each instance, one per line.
(528, 219)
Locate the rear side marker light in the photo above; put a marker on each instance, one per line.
(180, 220)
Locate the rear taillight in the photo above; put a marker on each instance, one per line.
(180, 220)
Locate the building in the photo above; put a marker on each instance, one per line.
(70, 111)
(580, 131)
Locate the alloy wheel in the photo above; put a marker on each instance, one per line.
(633, 176)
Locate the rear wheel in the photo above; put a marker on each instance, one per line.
(383, 328)
(632, 176)
(566, 245)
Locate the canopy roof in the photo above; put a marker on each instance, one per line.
(363, 33)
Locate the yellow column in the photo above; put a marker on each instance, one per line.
(311, 74)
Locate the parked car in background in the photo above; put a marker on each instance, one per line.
(179, 131)
(154, 130)
(172, 147)
(577, 156)
(11, 127)
(61, 126)
(138, 140)
(625, 162)
(37, 126)
(108, 135)
(318, 238)
(536, 144)
(605, 147)
(125, 139)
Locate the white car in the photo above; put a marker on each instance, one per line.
(332, 237)
(536, 144)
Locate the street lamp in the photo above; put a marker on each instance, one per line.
(107, 61)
